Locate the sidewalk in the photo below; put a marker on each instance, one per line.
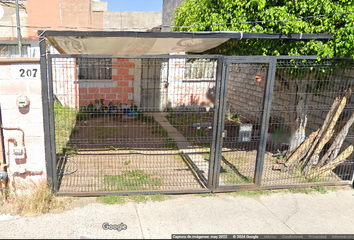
(278, 213)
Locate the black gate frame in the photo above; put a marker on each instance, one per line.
(218, 121)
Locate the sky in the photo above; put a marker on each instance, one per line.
(134, 5)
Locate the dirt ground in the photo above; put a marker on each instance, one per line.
(118, 131)
(127, 170)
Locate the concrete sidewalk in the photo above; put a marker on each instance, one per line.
(278, 213)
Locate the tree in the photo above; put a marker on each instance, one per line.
(276, 16)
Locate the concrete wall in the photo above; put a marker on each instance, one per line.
(9, 19)
(167, 13)
(29, 119)
(131, 21)
(181, 91)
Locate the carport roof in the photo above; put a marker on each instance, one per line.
(122, 43)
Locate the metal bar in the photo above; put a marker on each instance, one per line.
(220, 34)
(211, 184)
(45, 103)
(255, 187)
(264, 59)
(221, 121)
(102, 193)
(52, 123)
(267, 103)
(18, 29)
(134, 56)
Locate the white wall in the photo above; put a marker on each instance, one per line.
(29, 119)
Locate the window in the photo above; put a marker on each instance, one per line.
(201, 69)
(94, 68)
(8, 50)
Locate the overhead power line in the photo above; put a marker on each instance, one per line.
(206, 25)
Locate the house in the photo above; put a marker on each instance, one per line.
(22, 124)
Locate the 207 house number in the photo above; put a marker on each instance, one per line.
(28, 72)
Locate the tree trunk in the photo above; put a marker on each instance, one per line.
(298, 133)
(337, 144)
(331, 165)
(328, 134)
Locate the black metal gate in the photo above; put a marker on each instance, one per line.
(183, 123)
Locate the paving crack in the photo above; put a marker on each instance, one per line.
(284, 222)
(137, 214)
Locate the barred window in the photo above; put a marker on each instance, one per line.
(94, 68)
(8, 50)
(201, 69)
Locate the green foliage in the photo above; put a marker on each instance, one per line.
(119, 199)
(64, 118)
(275, 16)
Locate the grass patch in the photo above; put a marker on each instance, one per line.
(204, 195)
(65, 119)
(105, 132)
(127, 163)
(119, 199)
(314, 189)
(35, 202)
(112, 199)
(132, 180)
(252, 193)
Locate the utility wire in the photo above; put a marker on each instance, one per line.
(210, 25)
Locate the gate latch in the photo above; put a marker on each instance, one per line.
(224, 134)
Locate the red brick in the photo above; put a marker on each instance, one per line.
(122, 96)
(117, 90)
(99, 96)
(105, 90)
(123, 71)
(86, 96)
(106, 102)
(128, 77)
(94, 90)
(111, 96)
(128, 65)
(83, 102)
(128, 90)
(122, 84)
(117, 77)
(122, 59)
(82, 90)
(117, 65)
(129, 101)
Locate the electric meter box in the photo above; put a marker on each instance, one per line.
(22, 101)
(19, 152)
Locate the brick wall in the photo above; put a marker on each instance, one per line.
(119, 90)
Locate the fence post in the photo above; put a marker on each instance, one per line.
(45, 105)
(220, 121)
(267, 104)
(52, 123)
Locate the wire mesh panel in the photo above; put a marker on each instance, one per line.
(310, 133)
(245, 90)
(133, 124)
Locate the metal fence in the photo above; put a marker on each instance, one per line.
(178, 124)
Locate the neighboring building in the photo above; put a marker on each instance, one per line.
(81, 15)
(167, 13)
